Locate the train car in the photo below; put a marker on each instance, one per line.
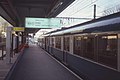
(91, 49)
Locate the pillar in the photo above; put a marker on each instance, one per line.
(8, 44)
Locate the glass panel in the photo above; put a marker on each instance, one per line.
(107, 52)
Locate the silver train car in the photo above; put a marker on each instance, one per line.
(90, 49)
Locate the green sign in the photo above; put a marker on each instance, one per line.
(42, 23)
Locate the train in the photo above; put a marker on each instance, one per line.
(90, 49)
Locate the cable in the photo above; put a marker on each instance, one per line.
(75, 3)
(73, 6)
(113, 9)
(73, 9)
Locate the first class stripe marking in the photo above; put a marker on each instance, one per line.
(18, 29)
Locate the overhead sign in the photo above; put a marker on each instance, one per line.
(42, 23)
(20, 29)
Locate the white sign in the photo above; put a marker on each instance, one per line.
(42, 23)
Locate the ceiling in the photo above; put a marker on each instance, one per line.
(19, 9)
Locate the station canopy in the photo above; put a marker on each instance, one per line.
(18, 10)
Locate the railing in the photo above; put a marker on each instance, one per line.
(2, 51)
(12, 52)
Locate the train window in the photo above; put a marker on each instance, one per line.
(58, 42)
(66, 43)
(78, 45)
(88, 47)
(107, 50)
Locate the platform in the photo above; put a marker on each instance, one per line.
(37, 64)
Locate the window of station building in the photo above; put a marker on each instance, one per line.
(66, 43)
(3, 25)
(58, 42)
(88, 47)
(78, 45)
(107, 50)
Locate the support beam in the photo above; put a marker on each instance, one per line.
(14, 11)
(32, 2)
(8, 45)
(31, 5)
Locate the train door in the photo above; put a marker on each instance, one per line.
(45, 43)
(48, 41)
(77, 49)
(88, 47)
(50, 45)
(66, 47)
(44, 40)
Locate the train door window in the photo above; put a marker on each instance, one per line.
(52, 41)
(66, 43)
(46, 41)
(58, 42)
(107, 52)
(77, 45)
(88, 47)
(43, 40)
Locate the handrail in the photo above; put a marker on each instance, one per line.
(2, 46)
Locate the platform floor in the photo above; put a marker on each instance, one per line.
(36, 64)
(5, 67)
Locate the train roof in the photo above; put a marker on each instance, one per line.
(107, 23)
